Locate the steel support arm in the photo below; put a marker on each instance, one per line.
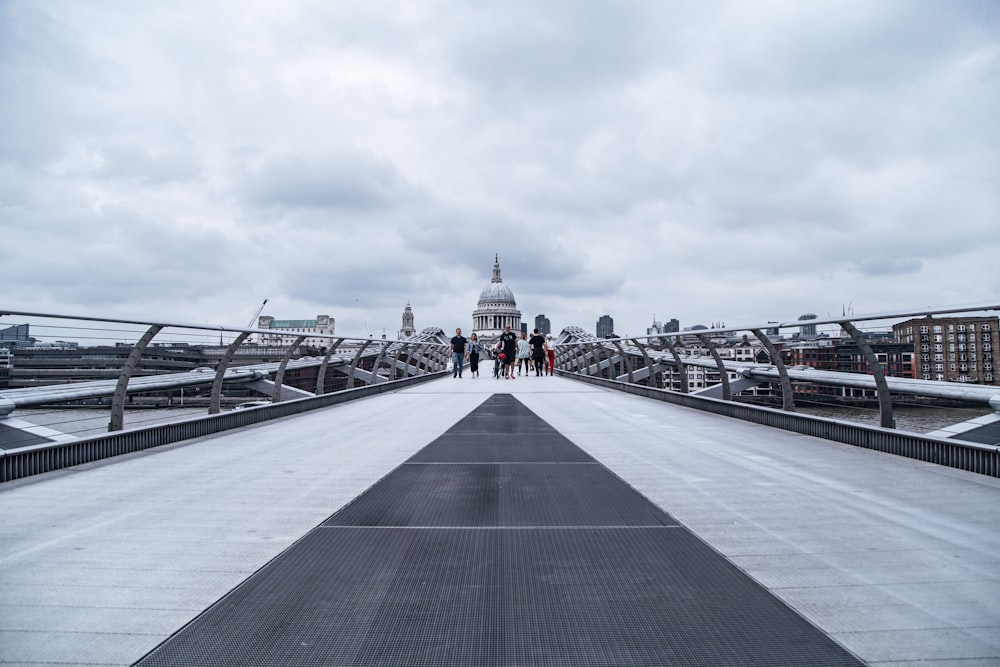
(279, 376)
(681, 368)
(354, 363)
(881, 386)
(727, 394)
(117, 422)
(215, 406)
(651, 378)
(321, 374)
(625, 360)
(787, 400)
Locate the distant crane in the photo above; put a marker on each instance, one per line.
(253, 320)
(252, 324)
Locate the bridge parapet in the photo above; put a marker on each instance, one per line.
(642, 359)
(110, 358)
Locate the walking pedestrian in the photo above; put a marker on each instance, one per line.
(508, 343)
(537, 343)
(550, 354)
(457, 350)
(523, 353)
(475, 347)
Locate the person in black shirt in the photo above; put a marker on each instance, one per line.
(508, 339)
(537, 343)
(457, 350)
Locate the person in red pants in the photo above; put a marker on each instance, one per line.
(550, 354)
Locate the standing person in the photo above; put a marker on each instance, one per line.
(537, 343)
(475, 347)
(457, 349)
(550, 354)
(508, 342)
(523, 353)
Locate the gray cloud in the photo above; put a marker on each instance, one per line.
(353, 182)
(737, 161)
(888, 266)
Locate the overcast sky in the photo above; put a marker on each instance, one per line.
(736, 161)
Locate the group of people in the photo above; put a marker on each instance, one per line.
(525, 353)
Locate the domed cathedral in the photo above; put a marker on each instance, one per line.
(496, 309)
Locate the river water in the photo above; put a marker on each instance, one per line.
(915, 419)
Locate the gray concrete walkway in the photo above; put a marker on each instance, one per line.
(899, 561)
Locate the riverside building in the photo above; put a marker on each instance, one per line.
(292, 329)
(952, 349)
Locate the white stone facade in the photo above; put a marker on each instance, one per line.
(496, 309)
(292, 329)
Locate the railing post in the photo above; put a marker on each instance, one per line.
(881, 386)
(378, 361)
(787, 400)
(419, 358)
(726, 393)
(561, 358)
(596, 357)
(215, 406)
(279, 376)
(117, 422)
(570, 357)
(651, 377)
(321, 374)
(395, 361)
(354, 363)
(625, 360)
(681, 368)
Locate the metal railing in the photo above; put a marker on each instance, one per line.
(30, 460)
(633, 366)
(970, 456)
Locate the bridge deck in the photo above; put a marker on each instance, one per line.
(600, 528)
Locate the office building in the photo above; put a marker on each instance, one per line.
(952, 349)
(605, 327)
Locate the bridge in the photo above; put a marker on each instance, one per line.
(578, 519)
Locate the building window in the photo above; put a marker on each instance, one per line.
(986, 327)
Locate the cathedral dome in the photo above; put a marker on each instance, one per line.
(497, 294)
(496, 309)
